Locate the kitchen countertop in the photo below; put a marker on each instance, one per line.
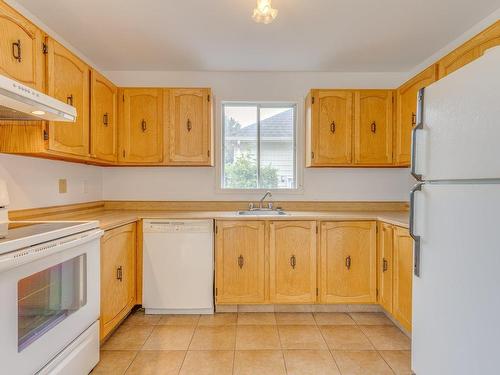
(109, 219)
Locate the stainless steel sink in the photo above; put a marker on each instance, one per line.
(262, 212)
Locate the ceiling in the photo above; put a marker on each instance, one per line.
(219, 35)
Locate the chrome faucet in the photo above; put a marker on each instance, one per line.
(268, 194)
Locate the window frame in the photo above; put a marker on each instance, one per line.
(298, 189)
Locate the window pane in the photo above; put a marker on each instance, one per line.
(240, 147)
(277, 148)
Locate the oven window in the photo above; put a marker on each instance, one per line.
(46, 298)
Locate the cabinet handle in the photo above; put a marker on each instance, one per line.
(385, 265)
(144, 126)
(69, 99)
(241, 261)
(373, 127)
(413, 119)
(105, 119)
(293, 261)
(333, 127)
(16, 50)
(119, 273)
(348, 262)
(188, 125)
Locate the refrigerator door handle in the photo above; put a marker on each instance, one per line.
(416, 239)
(420, 125)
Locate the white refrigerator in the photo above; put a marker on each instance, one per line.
(455, 222)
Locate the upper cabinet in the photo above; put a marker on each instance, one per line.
(189, 126)
(21, 49)
(406, 113)
(141, 126)
(68, 80)
(103, 130)
(373, 127)
(470, 50)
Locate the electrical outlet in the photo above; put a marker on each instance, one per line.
(63, 186)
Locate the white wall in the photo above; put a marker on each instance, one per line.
(201, 183)
(33, 182)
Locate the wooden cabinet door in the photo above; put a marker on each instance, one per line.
(348, 253)
(103, 128)
(68, 81)
(118, 250)
(403, 276)
(141, 126)
(331, 128)
(190, 127)
(385, 265)
(292, 262)
(240, 262)
(373, 127)
(406, 115)
(21, 49)
(470, 51)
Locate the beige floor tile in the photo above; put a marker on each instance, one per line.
(289, 318)
(165, 362)
(139, 318)
(372, 319)
(179, 320)
(208, 363)
(128, 337)
(387, 338)
(214, 338)
(257, 337)
(301, 337)
(256, 318)
(114, 362)
(345, 338)
(219, 319)
(332, 318)
(361, 363)
(259, 362)
(399, 360)
(310, 362)
(169, 338)
(256, 308)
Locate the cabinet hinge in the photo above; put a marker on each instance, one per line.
(45, 135)
(208, 153)
(45, 48)
(216, 292)
(312, 100)
(312, 155)
(317, 229)
(216, 229)
(208, 97)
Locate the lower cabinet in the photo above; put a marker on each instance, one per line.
(118, 279)
(348, 262)
(292, 261)
(403, 276)
(240, 262)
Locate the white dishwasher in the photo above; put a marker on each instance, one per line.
(178, 267)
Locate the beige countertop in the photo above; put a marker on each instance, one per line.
(113, 218)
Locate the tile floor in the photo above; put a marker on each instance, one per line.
(257, 344)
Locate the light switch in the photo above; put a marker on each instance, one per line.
(63, 186)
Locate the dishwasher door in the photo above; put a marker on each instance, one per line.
(178, 267)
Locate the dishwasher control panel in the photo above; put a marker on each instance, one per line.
(177, 226)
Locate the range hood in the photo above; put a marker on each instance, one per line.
(20, 102)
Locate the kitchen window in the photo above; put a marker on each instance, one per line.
(259, 146)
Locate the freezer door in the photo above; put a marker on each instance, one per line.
(456, 299)
(459, 124)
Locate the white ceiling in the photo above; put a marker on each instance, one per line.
(219, 35)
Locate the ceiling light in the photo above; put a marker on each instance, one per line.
(38, 113)
(264, 13)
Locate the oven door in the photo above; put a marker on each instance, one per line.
(47, 303)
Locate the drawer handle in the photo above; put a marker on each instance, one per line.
(189, 126)
(16, 50)
(69, 99)
(105, 119)
(119, 273)
(241, 261)
(348, 262)
(333, 127)
(385, 265)
(373, 127)
(144, 125)
(293, 261)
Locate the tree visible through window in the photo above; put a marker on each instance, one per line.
(258, 146)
